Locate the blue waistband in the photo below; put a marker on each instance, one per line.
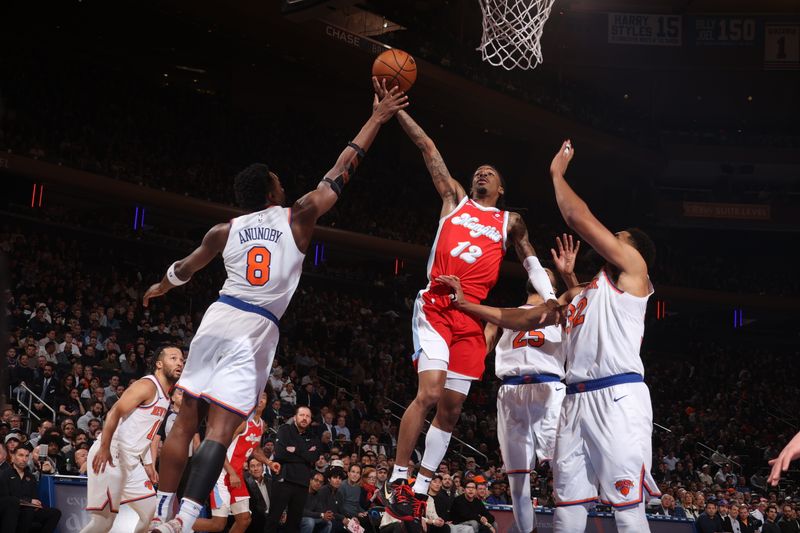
(602, 383)
(530, 378)
(244, 306)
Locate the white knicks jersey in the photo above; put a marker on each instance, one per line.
(136, 431)
(520, 353)
(604, 331)
(262, 260)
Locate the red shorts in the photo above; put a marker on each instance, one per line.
(449, 335)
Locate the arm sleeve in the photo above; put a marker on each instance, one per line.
(539, 278)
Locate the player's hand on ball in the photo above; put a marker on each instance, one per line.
(454, 283)
(781, 463)
(391, 103)
(558, 167)
(102, 458)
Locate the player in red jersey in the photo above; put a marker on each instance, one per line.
(449, 345)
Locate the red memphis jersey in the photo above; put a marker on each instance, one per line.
(242, 447)
(470, 244)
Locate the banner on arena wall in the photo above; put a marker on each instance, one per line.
(731, 211)
(724, 31)
(645, 29)
(356, 41)
(782, 46)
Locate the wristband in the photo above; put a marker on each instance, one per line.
(173, 278)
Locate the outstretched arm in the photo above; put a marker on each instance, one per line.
(181, 271)
(577, 215)
(518, 233)
(316, 203)
(513, 318)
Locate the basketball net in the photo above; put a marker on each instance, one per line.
(512, 30)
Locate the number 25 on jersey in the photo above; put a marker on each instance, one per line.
(258, 260)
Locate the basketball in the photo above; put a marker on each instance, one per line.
(397, 68)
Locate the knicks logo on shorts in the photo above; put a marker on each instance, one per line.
(148, 484)
(624, 486)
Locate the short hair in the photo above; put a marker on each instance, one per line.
(51, 365)
(251, 187)
(644, 245)
(501, 202)
(297, 409)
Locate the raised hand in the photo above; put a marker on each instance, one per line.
(558, 167)
(564, 258)
(394, 100)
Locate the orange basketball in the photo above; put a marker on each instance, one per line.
(397, 68)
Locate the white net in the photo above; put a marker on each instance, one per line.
(512, 30)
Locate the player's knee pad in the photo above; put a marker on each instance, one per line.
(570, 518)
(206, 466)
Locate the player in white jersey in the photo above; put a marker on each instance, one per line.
(232, 352)
(117, 475)
(530, 364)
(603, 448)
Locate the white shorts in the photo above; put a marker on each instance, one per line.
(527, 420)
(454, 381)
(604, 447)
(125, 482)
(230, 358)
(220, 501)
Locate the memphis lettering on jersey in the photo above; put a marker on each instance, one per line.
(259, 233)
(476, 229)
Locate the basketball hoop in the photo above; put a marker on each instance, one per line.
(512, 30)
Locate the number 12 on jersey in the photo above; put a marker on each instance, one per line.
(258, 261)
(472, 253)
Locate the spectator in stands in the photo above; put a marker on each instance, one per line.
(317, 514)
(331, 495)
(709, 521)
(726, 515)
(668, 507)
(789, 522)
(111, 362)
(47, 389)
(9, 504)
(688, 506)
(437, 509)
(20, 483)
(70, 406)
(341, 429)
(259, 487)
(770, 524)
(704, 476)
(274, 415)
(288, 394)
(97, 412)
(354, 502)
(497, 494)
(747, 524)
(469, 510)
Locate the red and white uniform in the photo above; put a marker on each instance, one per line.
(126, 480)
(470, 244)
(604, 442)
(224, 498)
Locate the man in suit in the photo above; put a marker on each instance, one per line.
(327, 425)
(46, 387)
(667, 507)
(259, 486)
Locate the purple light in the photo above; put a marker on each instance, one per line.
(141, 223)
(136, 217)
(316, 255)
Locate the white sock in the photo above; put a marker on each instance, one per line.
(164, 505)
(436, 443)
(422, 484)
(398, 472)
(524, 516)
(188, 513)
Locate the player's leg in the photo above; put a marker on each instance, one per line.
(448, 411)
(241, 515)
(574, 479)
(515, 435)
(100, 521)
(429, 391)
(174, 454)
(631, 519)
(145, 508)
(219, 501)
(208, 461)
